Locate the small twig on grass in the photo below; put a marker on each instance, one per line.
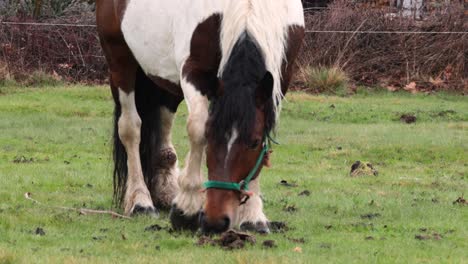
(83, 211)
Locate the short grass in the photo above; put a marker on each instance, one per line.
(423, 168)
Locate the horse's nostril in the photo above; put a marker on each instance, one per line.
(227, 223)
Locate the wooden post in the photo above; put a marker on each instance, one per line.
(37, 9)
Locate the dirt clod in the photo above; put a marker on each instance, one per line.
(461, 200)
(229, 240)
(360, 168)
(287, 184)
(269, 244)
(153, 228)
(370, 216)
(408, 118)
(304, 193)
(40, 231)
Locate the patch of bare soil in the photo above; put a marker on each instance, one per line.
(370, 216)
(153, 228)
(408, 118)
(433, 236)
(461, 201)
(269, 244)
(40, 231)
(278, 227)
(229, 240)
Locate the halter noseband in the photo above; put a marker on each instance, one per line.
(243, 186)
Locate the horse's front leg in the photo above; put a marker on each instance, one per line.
(251, 216)
(189, 201)
(137, 197)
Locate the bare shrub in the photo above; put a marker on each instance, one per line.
(73, 53)
(389, 59)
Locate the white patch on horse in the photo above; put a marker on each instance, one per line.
(159, 32)
(234, 136)
(167, 118)
(267, 22)
(129, 126)
(190, 199)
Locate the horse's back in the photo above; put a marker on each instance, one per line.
(159, 32)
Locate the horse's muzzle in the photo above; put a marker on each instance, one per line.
(214, 226)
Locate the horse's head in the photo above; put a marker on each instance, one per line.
(237, 148)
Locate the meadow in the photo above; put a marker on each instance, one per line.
(55, 144)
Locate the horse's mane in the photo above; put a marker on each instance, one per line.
(236, 107)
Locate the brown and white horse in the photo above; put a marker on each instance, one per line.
(232, 61)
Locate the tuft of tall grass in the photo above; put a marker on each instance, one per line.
(37, 78)
(325, 80)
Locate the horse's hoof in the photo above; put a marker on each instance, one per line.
(142, 210)
(259, 227)
(180, 221)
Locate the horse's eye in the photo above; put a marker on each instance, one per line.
(254, 144)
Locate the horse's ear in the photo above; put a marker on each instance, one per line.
(264, 90)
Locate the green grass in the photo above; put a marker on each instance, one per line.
(423, 168)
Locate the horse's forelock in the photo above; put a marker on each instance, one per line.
(236, 107)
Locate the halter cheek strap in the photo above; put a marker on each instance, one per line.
(243, 186)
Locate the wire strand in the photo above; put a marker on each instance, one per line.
(388, 32)
(47, 24)
(307, 31)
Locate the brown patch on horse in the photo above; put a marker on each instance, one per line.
(122, 64)
(167, 85)
(201, 68)
(295, 40)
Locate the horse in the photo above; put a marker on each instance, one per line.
(232, 62)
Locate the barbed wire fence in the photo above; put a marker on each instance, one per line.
(72, 51)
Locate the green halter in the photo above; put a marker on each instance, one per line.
(243, 185)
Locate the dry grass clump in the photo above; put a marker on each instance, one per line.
(325, 80)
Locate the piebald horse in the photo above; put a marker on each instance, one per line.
(232, 62)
